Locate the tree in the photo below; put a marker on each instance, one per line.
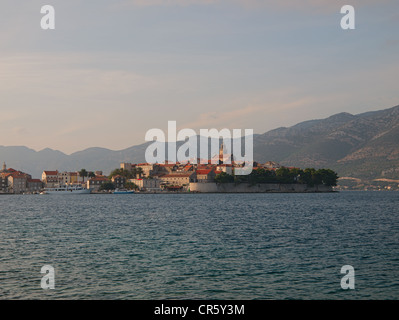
(107, 186)
(131, 186)
(316, 177)
(283, 175)
(313, 177)
(328, 177)
(295, 174)
(307, 177)
(128, 174)
(115, 172)
(83, 173)
(224, 177)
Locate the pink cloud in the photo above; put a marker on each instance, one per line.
(307, 5)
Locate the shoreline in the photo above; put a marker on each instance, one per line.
(188, 192)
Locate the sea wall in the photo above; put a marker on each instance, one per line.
(255, 188)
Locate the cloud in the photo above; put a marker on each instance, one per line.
(307, 5)
(66, 77)
(172, 2)
(20, 130)
(217, 119)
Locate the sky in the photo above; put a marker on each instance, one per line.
(112, 70)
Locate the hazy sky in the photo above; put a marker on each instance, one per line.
(111, 70)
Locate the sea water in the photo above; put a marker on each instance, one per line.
(200, 246)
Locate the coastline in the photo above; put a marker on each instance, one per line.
(257, 188)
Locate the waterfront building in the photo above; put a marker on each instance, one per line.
(127, 166)
(34, 185)
(3, 183)
(118, 181)
(147, 168)
(206, 175)
(74, 178)
(96, 182)
(14, 181)
(147, 184)
(167, 168)
(50, 178)
(17, 182)
(178, 179)
(64, 178)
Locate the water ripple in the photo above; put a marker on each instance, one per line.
(203, 246)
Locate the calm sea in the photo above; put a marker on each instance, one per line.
(200, 246)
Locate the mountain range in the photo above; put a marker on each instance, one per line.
(363, 146)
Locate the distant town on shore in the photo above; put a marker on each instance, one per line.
(361, 148)
(217, 175)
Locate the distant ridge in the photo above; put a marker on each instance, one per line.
(361, 146)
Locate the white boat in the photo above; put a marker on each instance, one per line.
(66, 190)
(122, 191)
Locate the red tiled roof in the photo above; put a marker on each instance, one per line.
(177, 175)
(204, 171)
(51, 173)
(18, 175)
(5, 175)
(99, 179)
(202, 166)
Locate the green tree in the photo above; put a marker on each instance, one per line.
(224, 177)
(131, 186)
(125, 173)
(107, 186)
(283, 175)
(296, 174)
(307, 176)
(83, 173)
(328, 177)
(115, 172)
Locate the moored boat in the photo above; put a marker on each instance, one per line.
(66, 190)
(122, 191)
